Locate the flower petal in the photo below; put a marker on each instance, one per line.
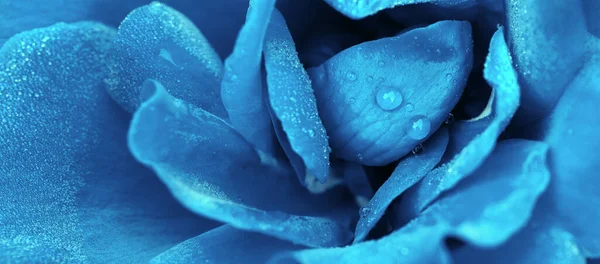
(209, 167)
(547, 52)
(293, 103)
(225, 244)
(356, 179)
(503, 104)
(572, 133)
(157, 42)
(361, 9)
(485, 210)
(536, 243)
(242, 86)
(69, 189)
(409, 171)
(380, 99)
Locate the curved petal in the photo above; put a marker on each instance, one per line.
(209, 167)
(409, 171)
(293, 102)
(380, 99)
(361, 9)
(225, 245)
(484, 210)
(572, 133)
(536, 243)
(242, 86)
(70, 191)
(547, 52)
(157, 42)
(503, 104)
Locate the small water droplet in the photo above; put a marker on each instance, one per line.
(311, 133)
(388, 98)
(448, 76)
(352, 100)
(351, 76)
(359, 156)
(404, 251)
(370, 79)
(449, 119)
(418, 149)
(419, 127)
(381, 63)
(409, 107)
(364, 211)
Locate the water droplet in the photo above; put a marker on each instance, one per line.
(359, 156)
(370, 79)
(311, 133)
(364, 211)
(352, 100)
(418, 149)
(404, 251)
(409, 107)
(448, 75)
(449, 119)
(351, 76)
(388, 98)
(381, 63)
(419, 127)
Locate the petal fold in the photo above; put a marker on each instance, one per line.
(380, 99)
(242, 86)
(481, 133)
(69, 188)
(294, 105)
(157, 42)
(214, 172)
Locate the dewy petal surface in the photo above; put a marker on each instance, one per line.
(538, 242)
(485, 210)
(225, 244)
(504, 102)
(358, 9)
(242, 86)
(380, 99)
(70, 191)
(572, 134)
(409, 171)
(214, 172)
(293, 103)
(547, 52)
(157, 42)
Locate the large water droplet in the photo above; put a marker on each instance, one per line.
(388, 98)
(419, 127)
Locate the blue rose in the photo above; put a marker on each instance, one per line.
(376, 131)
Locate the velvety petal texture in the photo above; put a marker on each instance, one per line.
(293, 104)
(157, 42)
(409, 171)
(225, 244)
(464, 160)
(214, 172)
(572, 130)
(380, 99)
(69, 189)
(485, 210)
(242, 86)
(547, 52)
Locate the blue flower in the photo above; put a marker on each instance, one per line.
(376, 131)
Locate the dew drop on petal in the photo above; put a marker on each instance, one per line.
(388, 98)
(418, 149)
(419, 127)
(409, 107)
(351, 76)
(449, 119)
